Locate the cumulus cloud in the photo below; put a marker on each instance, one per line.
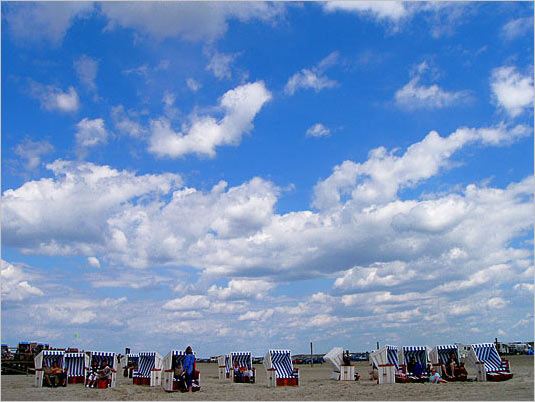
(312, 78)
(93, 262)
(86, 68)
(32, 151)
(90, 133)
(43, 21)
(188, 302)
(54, 98)
(202, 21)
(193, 84)
(517, 27)
(220, 64)
(15, 285)
(512, 90)
(380, 10)
(245, 289)
(318, 130)
(124, 122)
(205, 133)
(415, 95)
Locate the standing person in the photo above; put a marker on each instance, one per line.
(188, 366)
(346, 358)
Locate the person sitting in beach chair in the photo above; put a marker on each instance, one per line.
(238, 375)
(178, 375)
(434, 378)
(448, 368)
(414, 368)
(104, 373)
(60, 377)
(49, 379)
(92, 375)
(460, 372)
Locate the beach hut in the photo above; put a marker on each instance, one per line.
(75, 364)
(170, 362)
(149, 369)
(419, 353)
(223, 363)
(279, 368)
(46, 358)
(488, 363)
(440, 355)
(111, 359)
(245, 364)
(386, 361)
(341, 372)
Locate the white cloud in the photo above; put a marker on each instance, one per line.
(90, 133)
(312, 78)
(415, 95)
(44, 21)
(86, 68)
(238, 289)
(188, 302)
(193, 84)
(32, 151)
(517, 27)
(204, 134)
(93, 262)
(53, 98)
(15, 286)
(497, 303)
(256, 315)
(220, 64)
(318, 130)
(512, 90)
(529, 287)
(381, 10)
(123, 122)
(191, 21)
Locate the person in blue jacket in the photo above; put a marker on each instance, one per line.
(188, 366)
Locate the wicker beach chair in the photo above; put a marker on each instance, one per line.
(245, 363)
(386, 362)
(46, 358)
(170, 361)
(149, 371)
(111, 359)
(279, 368)
(75, 364)
(489, 365)
(223, 363)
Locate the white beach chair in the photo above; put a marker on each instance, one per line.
(47, 358)
(341, 371)
(279, 368)
(169, 363)
(245, 362)
(149, 370)
(75, 364)
(419, 353)
(386, 361)
(223, 363)
(488, 363)
(112, 360)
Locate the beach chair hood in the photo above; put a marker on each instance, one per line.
(335, 357)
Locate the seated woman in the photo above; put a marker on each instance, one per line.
(49, 379)
(92, 375)
(460, 372)
(60, 377)
(448, 369)
(238, 375)
(104, 373)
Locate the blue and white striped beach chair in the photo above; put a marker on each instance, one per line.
(440, 355)
(149, 369)
(385, 361)
(46, 358)
(170, 362)
(245, 363)
(279, 368)
(111, 359)
(75, 364)
(490, 366)
(419, 353)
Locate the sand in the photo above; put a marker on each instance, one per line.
(315, 385)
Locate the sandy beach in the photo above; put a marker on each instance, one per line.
(315, 385)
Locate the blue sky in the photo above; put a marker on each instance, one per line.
(258, 175)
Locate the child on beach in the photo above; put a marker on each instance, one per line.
(92, 375)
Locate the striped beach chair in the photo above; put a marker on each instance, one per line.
(223, 364)
(245, 363)
(386, 361)
(111, 359)
(75, 364)
(149, 369)
(279, 368)
(419, 353)
(170, 362)
(440, 355)
(489, 365)
(46, 358)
